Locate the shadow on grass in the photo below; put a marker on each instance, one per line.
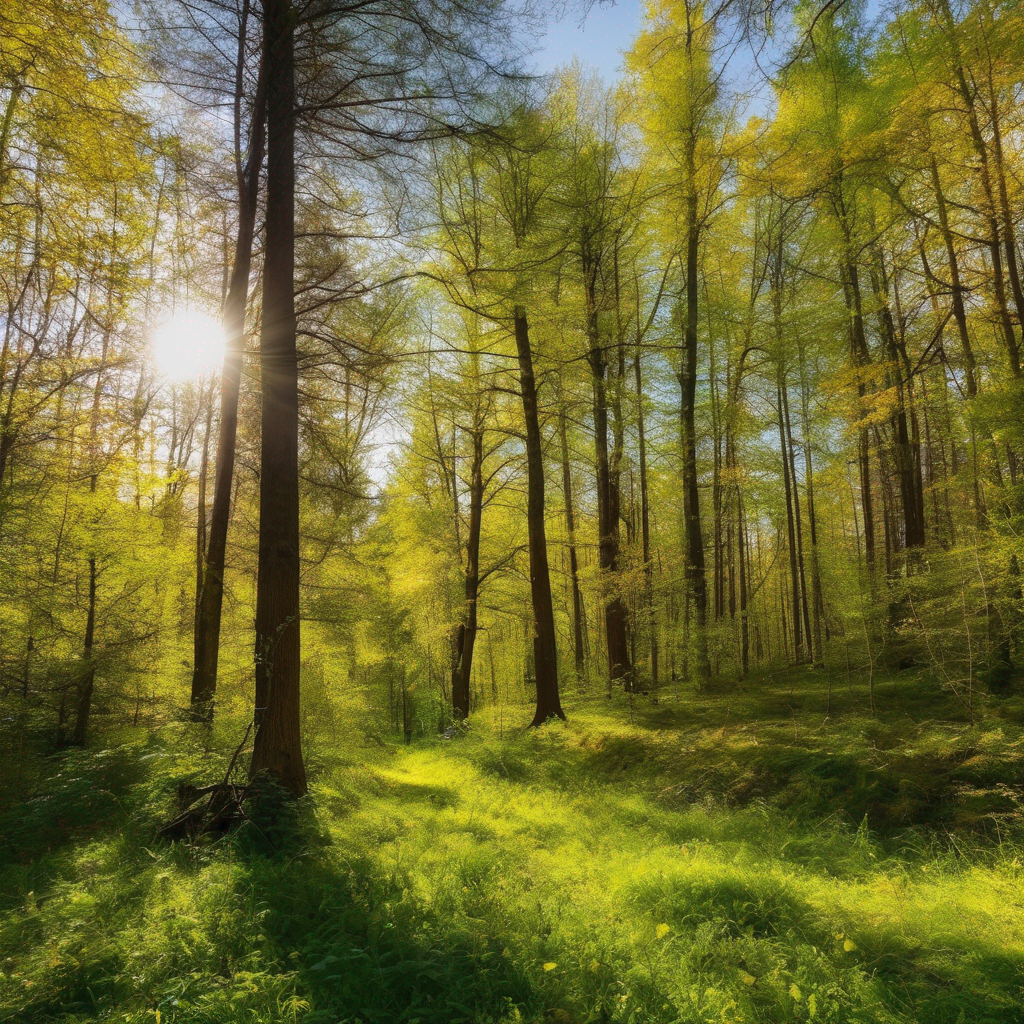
(957, 981)
(360, 942)
(915, 764)
(270, 924)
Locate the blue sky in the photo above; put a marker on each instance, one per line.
(598, 42)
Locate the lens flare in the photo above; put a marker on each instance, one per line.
(188, 345)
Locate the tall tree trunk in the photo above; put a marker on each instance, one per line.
(465, 634)
(694, 538)
(797, 519)
(201, 524)
(1005, 213)
(607, 490)
(617, 617)
(277, 747)
(87, 681)
(907, 465)
(645, 521)
(817, 653)
(955, 285)
(570, 526)
(717, 499)
(544, 647)
(794, 575)
(206, 639)
(741, 534)
(861, 358)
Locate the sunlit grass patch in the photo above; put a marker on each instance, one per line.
(629, 866)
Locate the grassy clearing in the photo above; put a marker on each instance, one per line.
(730, 857)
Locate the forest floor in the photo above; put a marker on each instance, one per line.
(731, 857)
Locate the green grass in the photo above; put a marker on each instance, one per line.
(730, 857)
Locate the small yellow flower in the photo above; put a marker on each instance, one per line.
(662, 930)
(550, 965)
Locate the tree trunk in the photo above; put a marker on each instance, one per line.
(955, 285)
(817, 602)
(859, 347)
(1005, 213)
(694, 538)
(277, 747)
(87, 682)
(741, 534)
(201, 524)
(645, 522)
(570, 526)
(907, 466)
(798, 643)
(206, 640)
(607, 493)
(544, 648)
(991, 212)
(465, 634)
(798, 520)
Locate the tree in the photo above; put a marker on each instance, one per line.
(277, 744)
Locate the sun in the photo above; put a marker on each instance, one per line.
(188, 345)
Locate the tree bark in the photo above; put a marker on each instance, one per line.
(798, 642)
(465, 633)
(570, 526)
(908, 466)
(859, 351)
(277, 747)
(797, 519)
(201, 524)
(206, 640)
(955, 284)
(544, 648)
(645, 521)
(607, 490)
(694, 538)
(817, 601)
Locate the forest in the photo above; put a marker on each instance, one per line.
(488, 544)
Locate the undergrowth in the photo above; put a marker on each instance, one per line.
(730, 857)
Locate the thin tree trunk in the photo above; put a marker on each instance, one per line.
(798, 643)
(906, 464)
(645, 522)
(544, 646)
(990, 213)
(861, 358)
(798, 520)
(570, 526)
(607, 491)
(87, 682)
(741, 531)
(955, 285)
(206, 640)
(201, 525)
(694, 538)
(465, 639)
(816, 594)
